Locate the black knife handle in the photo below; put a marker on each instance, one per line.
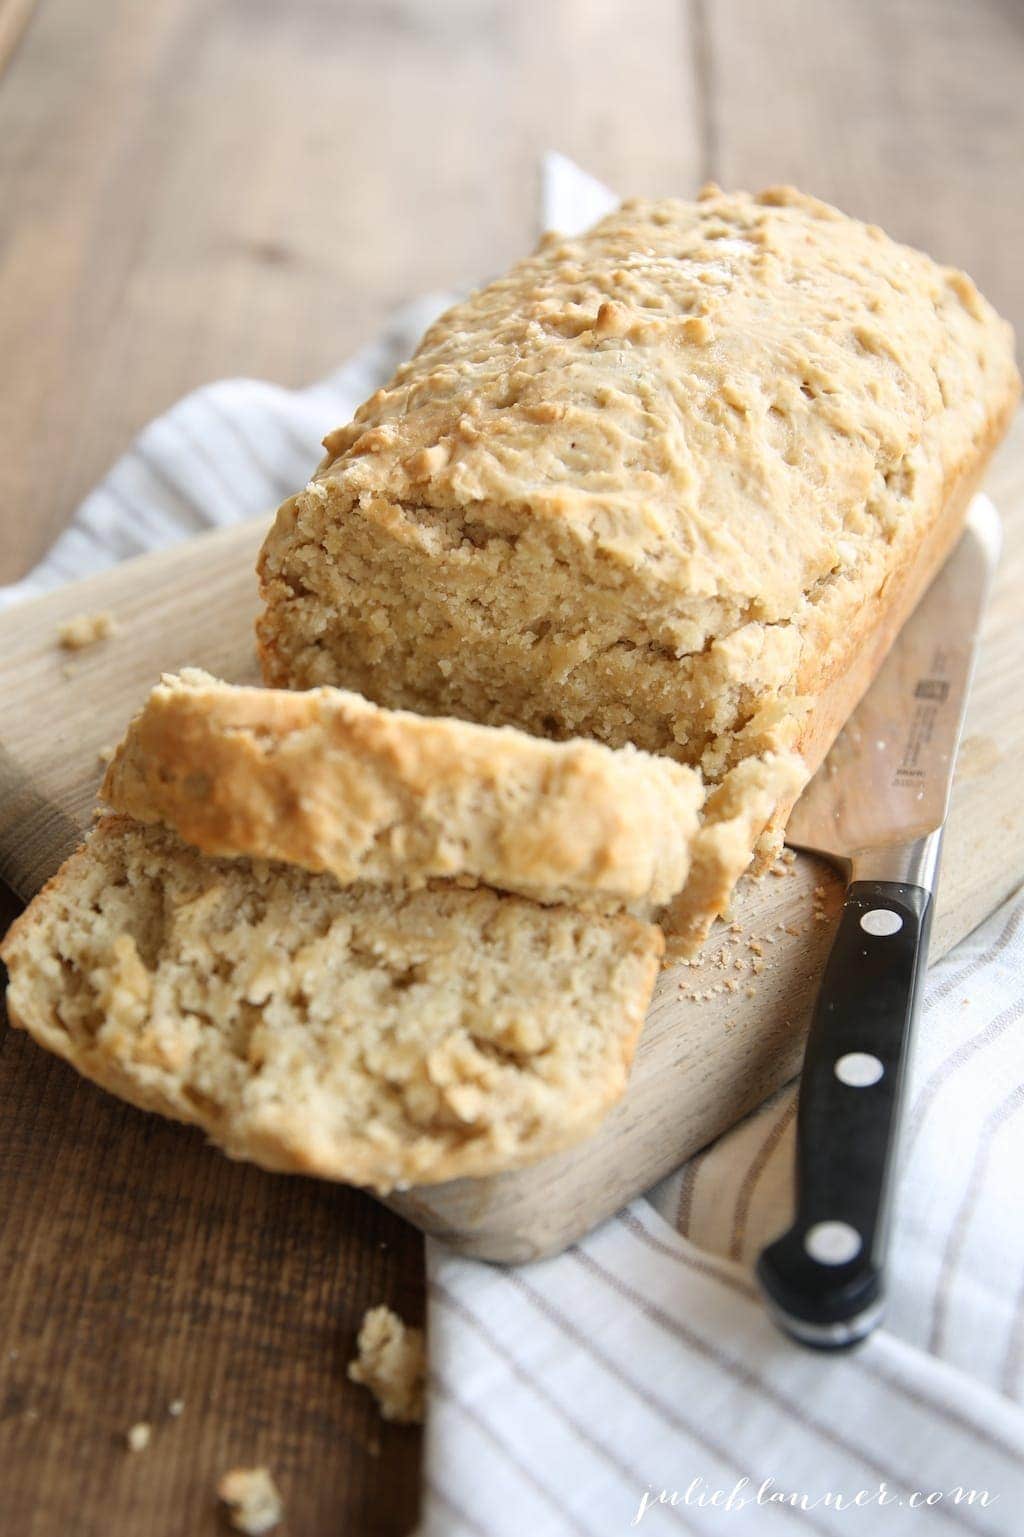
(823, 1278)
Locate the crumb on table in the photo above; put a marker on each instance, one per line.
(392, 1364)
(253, 1502)
(83, 630)
(138, 1436)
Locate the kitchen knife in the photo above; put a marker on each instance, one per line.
(876, 807)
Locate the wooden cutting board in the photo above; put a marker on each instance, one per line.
(720, 1035)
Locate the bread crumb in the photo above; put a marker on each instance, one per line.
(86, 630)
(138, 1436)
(751, 992)
(176, 1407)
(392, 1364)
(105, 756)
(250, 1494)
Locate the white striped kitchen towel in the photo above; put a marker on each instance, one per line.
(635, 1381)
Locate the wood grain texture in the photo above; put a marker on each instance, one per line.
(140, 1266)
(249, 189)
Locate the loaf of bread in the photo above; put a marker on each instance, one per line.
(676, 483)
(326, 780)
(377, 1036)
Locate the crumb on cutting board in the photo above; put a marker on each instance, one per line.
(83, 630)
(252, 1499)
(392, 1364)
(138, 1436)
(176, 1407)
(105, 756)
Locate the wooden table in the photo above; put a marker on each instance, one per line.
(196, 188)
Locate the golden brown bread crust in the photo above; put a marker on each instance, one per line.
(324, 780)
(838, 680)
(328, 781)
(356, 1033)
(643, 487)
(676, 483)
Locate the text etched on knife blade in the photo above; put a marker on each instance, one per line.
(930, 693)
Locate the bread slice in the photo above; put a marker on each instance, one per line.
(364, 1034)
(676, 482)
(328, 781)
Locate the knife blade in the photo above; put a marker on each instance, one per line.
(877, 807)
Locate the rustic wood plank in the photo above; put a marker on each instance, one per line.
(907, 113)
(614, 88)
(140, 1266)
(194, 190)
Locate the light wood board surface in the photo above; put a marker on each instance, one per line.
(191, 189)
(708, 1053)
